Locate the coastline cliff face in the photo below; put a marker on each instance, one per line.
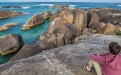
(65, 60)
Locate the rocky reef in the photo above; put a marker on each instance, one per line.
(11, 7)
(8, 26)
(35, 20)
(59, 6)
(4, 14)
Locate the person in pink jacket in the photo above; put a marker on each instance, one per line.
(108, 63)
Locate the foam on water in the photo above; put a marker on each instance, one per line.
(119, 5)
(44, 5)
(25, 7)
(72, 6)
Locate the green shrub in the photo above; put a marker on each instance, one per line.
(118, 33)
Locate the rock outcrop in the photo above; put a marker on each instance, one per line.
(68, 17)
(65, 60)
(33, 21)
(109, 29)
(110, 16)
(46, 14)
(55, 15)
(11, 24)
(10, 43)
(3, 28)
(59, 6)
(57, 34)
(66, 25)
(94, 19)
(11, 7)
(7, 26)
(4, 14)
(80, 18)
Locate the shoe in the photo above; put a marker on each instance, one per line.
(87, 68)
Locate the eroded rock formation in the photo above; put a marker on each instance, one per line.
(10, 43)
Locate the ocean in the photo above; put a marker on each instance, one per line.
(31, 8)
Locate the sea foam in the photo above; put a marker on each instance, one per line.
(72, 6)
(119, 5)
(25, 7)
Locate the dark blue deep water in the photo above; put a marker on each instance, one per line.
(31, 8)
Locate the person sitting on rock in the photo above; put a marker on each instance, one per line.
(108, 63)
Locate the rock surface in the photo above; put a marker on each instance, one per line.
(33, 21)
(63, 30)
(11, 24)
(46, 14)
(3, 28)
(7, 26)
(65, 60)
(10, 43)
(11, 7)
(59, 6)
(110, 16)
(57, 34)
(8, 14)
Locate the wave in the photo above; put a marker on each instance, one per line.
(85, 7)
(44, 5)
(118, 5)
(25, 12)
(25, 7)
(72, 6)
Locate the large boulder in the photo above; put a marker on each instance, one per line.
(3, 28)
(27, 51)
(99, 26)
(33, 49)
(59, 27)
(10, 43)
(94, 19)
(46, 14)
(109, 29)
(68, 17)
(65, 60)
(33, 21)
(80, 18)
(55, 15)
(110, 16)
(4, 14)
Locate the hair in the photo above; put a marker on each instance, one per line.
(114, 48)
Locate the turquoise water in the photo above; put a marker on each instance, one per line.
(31, 8)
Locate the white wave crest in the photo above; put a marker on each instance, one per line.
(25, 7)
(85, 7)
(26, 12)
(119, 5)
(44, 5)
(72, 6)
